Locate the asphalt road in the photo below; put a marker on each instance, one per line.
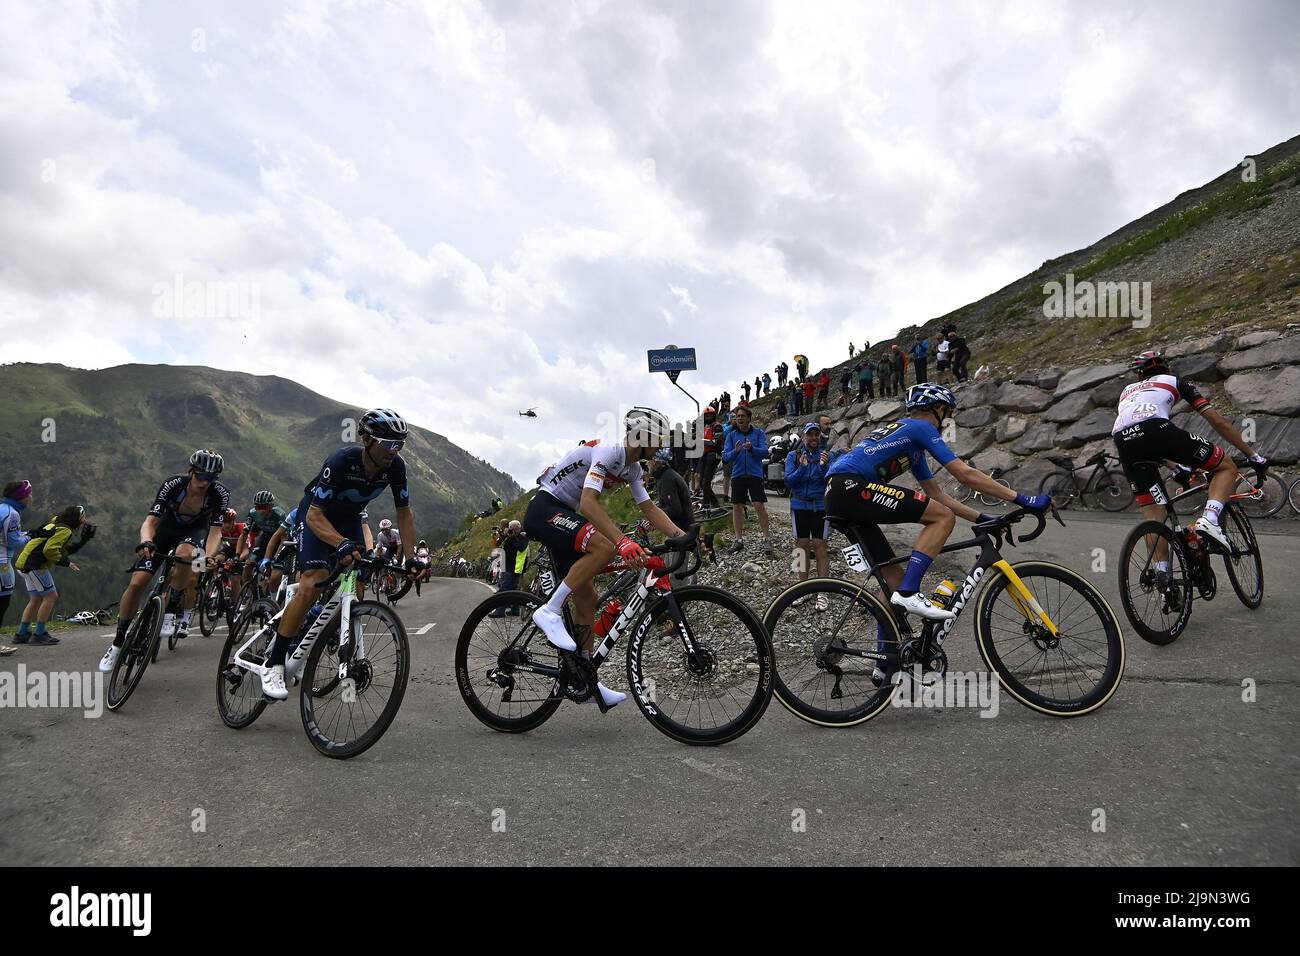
(1183, 770)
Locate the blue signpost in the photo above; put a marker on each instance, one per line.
(673, 361)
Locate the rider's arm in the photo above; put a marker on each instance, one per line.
(658, 520)
(320, 526)
(214, 542)
(406, 527)
(931, 487)
(273, 546)
(149, 528)
(589, 507)
(1226, 429)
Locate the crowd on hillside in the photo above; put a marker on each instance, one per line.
(882, 373)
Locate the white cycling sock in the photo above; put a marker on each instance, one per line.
(1212, 511)
(556, 603)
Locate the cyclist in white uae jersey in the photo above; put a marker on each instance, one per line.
(565, 516)
(1144, 436)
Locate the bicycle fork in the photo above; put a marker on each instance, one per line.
(1024, 601)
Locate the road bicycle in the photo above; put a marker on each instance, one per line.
(352, 661)
(1259, 498)
(1051, 638)
(393, 582)
(963, 493)
(1104, 487)
(219, 594)
(699, 662)
(1158, 601)
(1293, 495)
(143, 636)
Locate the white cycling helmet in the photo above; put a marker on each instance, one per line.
(647, 428)
(927, 393)
(385, 525)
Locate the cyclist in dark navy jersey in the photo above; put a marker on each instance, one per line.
(329, 530)
(186, 516)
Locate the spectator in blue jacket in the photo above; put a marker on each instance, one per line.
(743, 455)
(805, 479)
(920, 352)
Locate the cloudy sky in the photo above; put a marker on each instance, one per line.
(466, 209)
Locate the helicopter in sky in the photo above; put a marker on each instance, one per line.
(531, 413)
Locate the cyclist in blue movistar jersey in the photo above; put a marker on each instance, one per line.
(858, 491)
(329, 527)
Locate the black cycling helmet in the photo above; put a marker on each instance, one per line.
(1150, 362)
(207, 462)
(384, 423)
(263, 498)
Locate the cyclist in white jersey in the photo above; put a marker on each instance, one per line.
(565, 515)
(1144, 435)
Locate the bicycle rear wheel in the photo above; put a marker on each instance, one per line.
(1112, 490)
(344, 718)
(1061, 486)
(1158, 608)
(239, 691)
(1066, 674)
(1293, 495)
(825, 659)
(718, 691)
(1245, 564)
(1273, 495)
(140, 645)
(498, 645)
(210, 609)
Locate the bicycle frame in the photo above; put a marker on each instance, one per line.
(990, 558)
(339, 603)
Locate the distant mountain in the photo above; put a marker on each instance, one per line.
(107, 438)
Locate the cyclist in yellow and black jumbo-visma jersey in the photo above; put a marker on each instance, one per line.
(858, 491)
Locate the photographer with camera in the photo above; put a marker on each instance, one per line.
(51, 545)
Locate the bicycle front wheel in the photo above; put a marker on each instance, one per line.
(140, 645)
(1272, 496)
(1066, 674)
(1158, 603)
(828, 636)
(346, 717)
(239, 690)
(717, 689)
(210, 604)
(1245, 565)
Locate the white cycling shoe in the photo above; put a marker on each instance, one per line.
(1211, 530)
(109, 659)
(168, 626)
(610, 697)
(552, 626)
(273, 683)
(921, 606)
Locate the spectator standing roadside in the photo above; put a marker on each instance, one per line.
(743, 454)
(744, 388)
(514, 549)
(805, 478)
(709, 460)
(885, 374)
(767, 383)
(823, 388)
(920, 354)
(796, 399)
(50, 546)
(809, 395)
(851, 348)
(865, 375)
(17, 496)
(960, 354)
(943, 361)
(846, 382)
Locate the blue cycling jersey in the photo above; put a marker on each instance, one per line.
(342, 489)
(893, 448)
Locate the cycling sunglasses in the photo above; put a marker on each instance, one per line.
(206, 475)
(390, 444)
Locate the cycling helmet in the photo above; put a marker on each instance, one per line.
(385, 525)
(647, 428)
(208, 462)
(230, 514)
(710, 410)
(664, 455)
(515, 525)
(384, 423)
(422, 544)
(1150, 362)
(263, 498)
(927, 393)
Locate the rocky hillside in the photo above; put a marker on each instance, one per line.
(107, 438)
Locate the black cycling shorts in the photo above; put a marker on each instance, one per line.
(1142, 448)
(808, 523)
(746, 489)
(869, 504)
(166, 538)
(561, 529)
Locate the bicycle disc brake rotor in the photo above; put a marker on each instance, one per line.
(701, 663)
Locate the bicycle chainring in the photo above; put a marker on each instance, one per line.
(577, 677)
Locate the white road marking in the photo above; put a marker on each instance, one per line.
(426, 629)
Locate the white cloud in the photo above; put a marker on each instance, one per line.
(468, 209)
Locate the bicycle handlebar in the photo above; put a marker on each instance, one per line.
(374, 564)
(1002, 524)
